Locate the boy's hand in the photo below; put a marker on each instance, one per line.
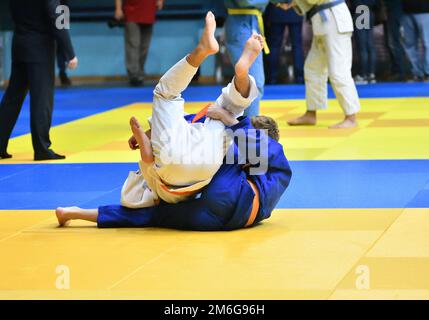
(132, 142)
(286, 6)
(218, 113)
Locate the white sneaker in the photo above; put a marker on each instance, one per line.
(371, 78)
(360, 80)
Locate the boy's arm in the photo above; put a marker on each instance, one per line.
(216, 112)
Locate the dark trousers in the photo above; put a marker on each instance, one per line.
(275, 33)
(38, 79)
(137, 41)
(392, 26)
(61, 62)
(366, 50)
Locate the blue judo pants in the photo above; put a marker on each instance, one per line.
(175, 216)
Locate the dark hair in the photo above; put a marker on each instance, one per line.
(267, 123)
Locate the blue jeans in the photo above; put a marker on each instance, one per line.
(416, 26)
(238, 29)
(366, 50)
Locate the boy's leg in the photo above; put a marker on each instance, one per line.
(170, 130)
(316, 78)
(178, 147)
(242, 91)
(177, 79)
(64, 215)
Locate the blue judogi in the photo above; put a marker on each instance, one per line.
(226, 203)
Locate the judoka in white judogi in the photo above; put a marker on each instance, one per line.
(330, 57)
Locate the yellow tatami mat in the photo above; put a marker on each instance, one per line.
(315, 254)
(393, 128)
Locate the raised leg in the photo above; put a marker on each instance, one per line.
(208, 44)
(252, 50)
(243, 89)
(316, 76)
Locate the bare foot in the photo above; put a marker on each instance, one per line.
(348, 122)
(208, 44)
(137, 131)
(143, 141)
(309, 119)
(63, 215)
(252, 49)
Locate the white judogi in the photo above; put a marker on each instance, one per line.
(187, 155)
(330, 56)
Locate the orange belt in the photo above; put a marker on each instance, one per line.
(255, 206)
(201, 113)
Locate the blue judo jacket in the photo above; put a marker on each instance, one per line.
(224, 204)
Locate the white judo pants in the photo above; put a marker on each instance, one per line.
(187, 153)
(330, 57)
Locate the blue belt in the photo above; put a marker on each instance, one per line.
(319, 9)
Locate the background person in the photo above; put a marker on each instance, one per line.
(330, 57)
(367, 54)
(244, 19)
(416, 28)
(139, 16)
(33, 69)
(392, 28)
(276, 21)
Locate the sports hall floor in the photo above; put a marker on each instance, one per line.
(353, 224)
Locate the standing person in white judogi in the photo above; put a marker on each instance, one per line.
(330, 57)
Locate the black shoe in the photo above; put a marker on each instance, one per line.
(65, 80)
(136, 83)
(5, 155)
(417, 79)
(397, 78)
(48, 156)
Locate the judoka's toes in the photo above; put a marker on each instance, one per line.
(208, 42)
(345, 124)
(251, 51)
(303, 121)
(134, 123)
(210, 22)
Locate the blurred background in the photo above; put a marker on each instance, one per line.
(100, 47)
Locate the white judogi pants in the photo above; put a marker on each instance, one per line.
(189, 153)
(330, 56)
